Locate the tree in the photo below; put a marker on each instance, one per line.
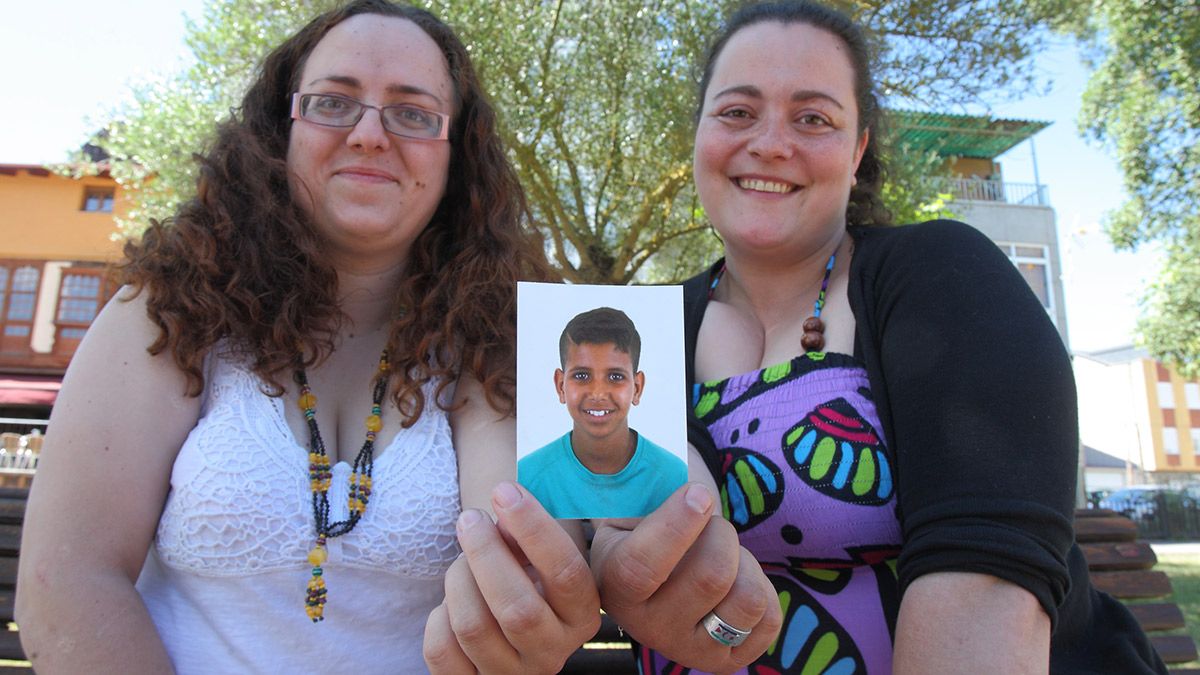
(1142, 102)
(596, 103)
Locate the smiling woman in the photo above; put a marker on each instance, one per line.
(887, 413)
(368, 191)
(308, 376)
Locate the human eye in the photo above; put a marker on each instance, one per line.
(813, 120)
(616, 377)
(412, 118)
(735, 113)
(330, 107)
(579, 376)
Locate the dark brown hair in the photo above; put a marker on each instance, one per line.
(866, 201)
(599, 326)
(240, 261)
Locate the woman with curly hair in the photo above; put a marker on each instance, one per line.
(210, 498)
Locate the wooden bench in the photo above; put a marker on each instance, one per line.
(12, 514)
(1122, 567)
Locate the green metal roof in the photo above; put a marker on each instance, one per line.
(960, 135)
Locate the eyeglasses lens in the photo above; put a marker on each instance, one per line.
(401, 120)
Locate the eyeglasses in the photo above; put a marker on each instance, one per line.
(409, 121)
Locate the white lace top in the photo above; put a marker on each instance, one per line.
(225, 580)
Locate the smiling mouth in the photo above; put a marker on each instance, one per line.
(367, 175)
(598, 413)
(759, 185)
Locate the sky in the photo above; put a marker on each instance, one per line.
(71, 65)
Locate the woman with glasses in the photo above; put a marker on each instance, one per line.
(262, 448)
(888, 413)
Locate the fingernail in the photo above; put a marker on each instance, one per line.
(699, 498)
(468, 519)
(506, 495)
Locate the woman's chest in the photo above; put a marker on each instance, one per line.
(241, 500)
(804, 471)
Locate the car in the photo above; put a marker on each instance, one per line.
(1191, 495)
(1138, 501)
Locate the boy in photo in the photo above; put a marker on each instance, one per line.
(601, 468)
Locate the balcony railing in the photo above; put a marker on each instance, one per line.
(980, 190)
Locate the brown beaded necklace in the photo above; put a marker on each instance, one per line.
(320, 475)
(813, 340)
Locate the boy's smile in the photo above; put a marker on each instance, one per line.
(598, 386)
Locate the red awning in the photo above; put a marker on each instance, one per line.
(29, 390)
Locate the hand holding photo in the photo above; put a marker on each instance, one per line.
(580, 348)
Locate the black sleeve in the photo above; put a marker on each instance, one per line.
(980, 408)
(695, 301)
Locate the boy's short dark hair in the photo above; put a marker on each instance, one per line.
(601, 326)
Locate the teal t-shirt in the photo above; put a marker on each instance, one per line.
(567, 489)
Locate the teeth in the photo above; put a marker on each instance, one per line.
(764, 185)
(596, 413)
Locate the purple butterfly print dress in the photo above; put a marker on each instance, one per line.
(806, 479)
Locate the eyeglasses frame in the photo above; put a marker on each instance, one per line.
(443, 135)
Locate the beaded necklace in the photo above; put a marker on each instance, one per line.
(319, 476)
(813, 340)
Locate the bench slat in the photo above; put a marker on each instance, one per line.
(12, 510)
(10, 646)
(8, 572)
(7, 596)
(1104, 528)
(1175, 648)
(1133, 555)
(1133, 584)
(1158, 615)
(10, 540)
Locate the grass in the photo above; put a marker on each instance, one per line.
(1184, 571)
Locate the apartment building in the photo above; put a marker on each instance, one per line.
(56, 243)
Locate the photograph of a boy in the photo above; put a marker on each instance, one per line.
(600, 466)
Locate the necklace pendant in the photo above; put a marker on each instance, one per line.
(320, 475)
(314, 603)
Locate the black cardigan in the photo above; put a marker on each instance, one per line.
(976, 397)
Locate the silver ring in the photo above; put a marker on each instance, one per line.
(723, 632)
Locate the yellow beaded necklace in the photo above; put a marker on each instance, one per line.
(319, 475)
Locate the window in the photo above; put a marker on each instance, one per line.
(1033, 262)
(1196, 442)
(1191, 392)
(19, 284)
(79, 299)
(1166, 395)
(1171, 440)
(21, 297)
(98, 199)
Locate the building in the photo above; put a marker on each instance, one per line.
(56, 243)
(1105, 473)
(1141, 411)
(1017, 216)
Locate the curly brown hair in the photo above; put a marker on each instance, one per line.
(866, 205)
(241, 261)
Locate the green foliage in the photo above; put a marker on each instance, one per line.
(1143, 103)
(1184, 571)
(152, 141)
(596, 101)
(915, 190)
